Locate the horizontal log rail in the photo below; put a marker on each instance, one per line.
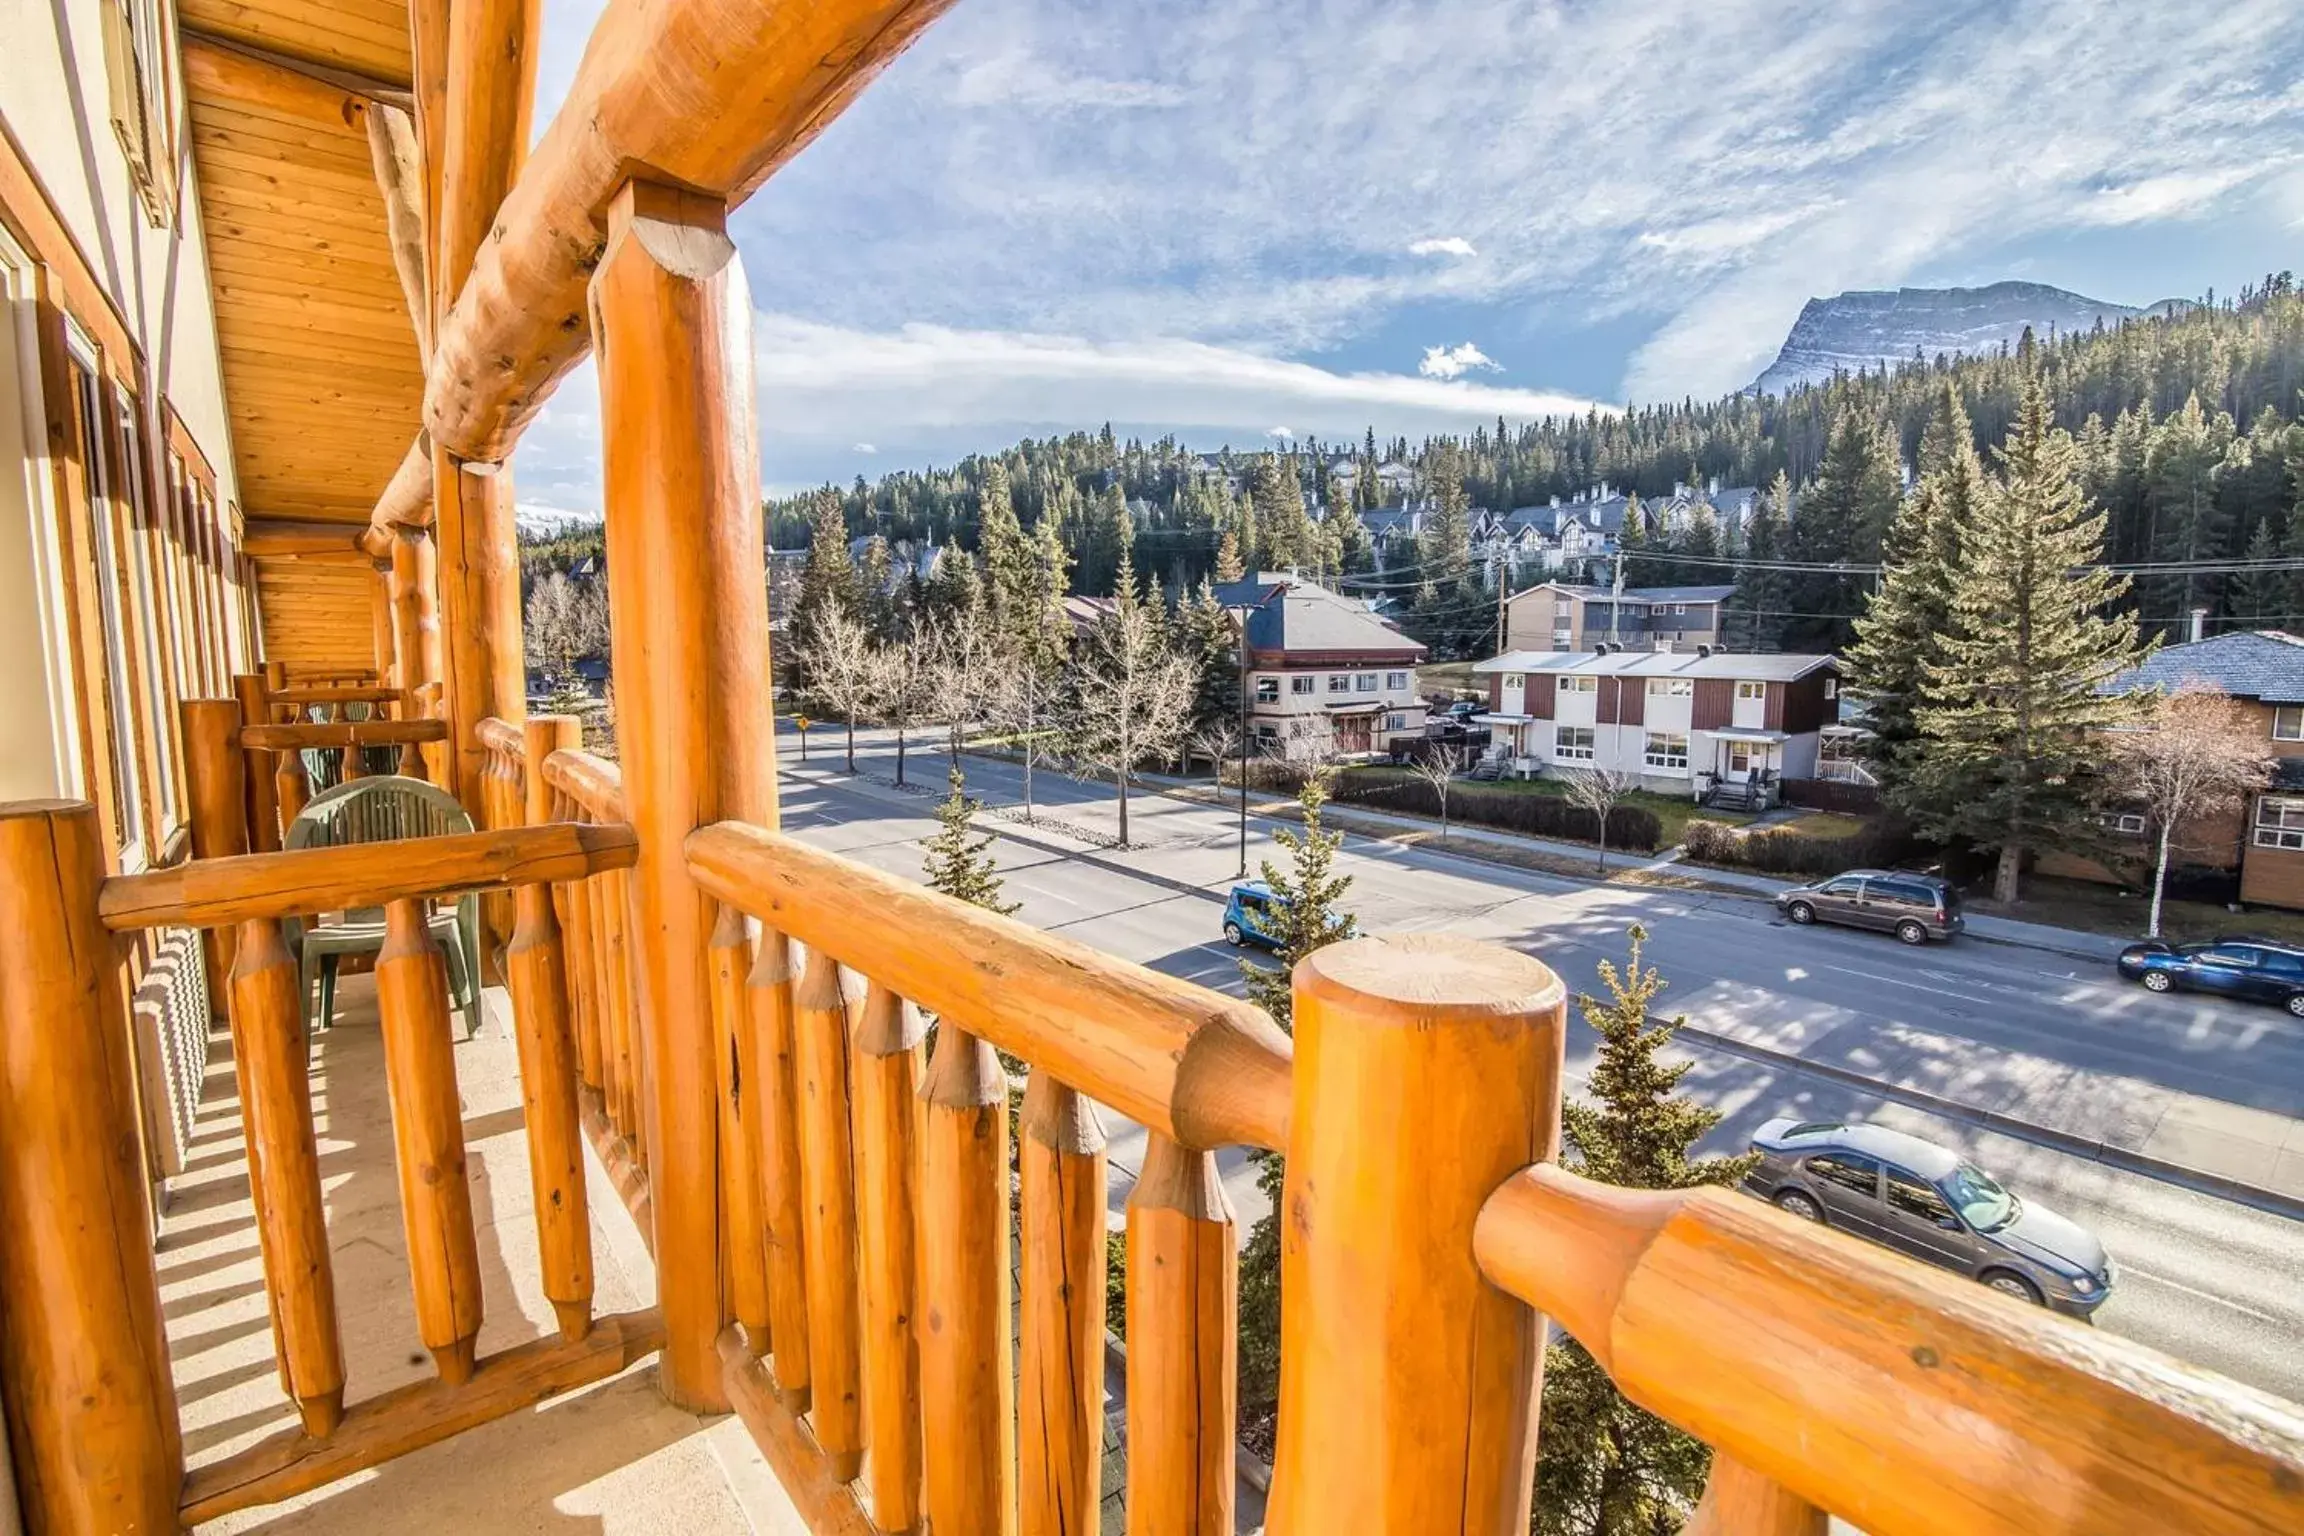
(366, 694)
(593, 783)
(1201, 1068)
(1883, 1392)
(210, 893)
(417, 1415)
(503, 738)
(319, 735)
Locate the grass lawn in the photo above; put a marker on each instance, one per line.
(1824, 824)
(1435, 675)
(2097, 908)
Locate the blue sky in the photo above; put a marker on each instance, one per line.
(1234, 218)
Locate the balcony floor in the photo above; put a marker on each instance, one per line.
(613, 1458)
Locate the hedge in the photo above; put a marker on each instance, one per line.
(1783, 851)
(1631, 828)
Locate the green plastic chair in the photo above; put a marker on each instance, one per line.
(383, 809)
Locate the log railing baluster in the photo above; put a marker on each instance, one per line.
(1060, 1412)
(215, 773)
(536, 968)
(887, 1070)
(743, 1234)
(620, 1004)
(270, 1056)
(583, 982)
(1183, 1371)
(292, 788)
(828, 1221)
(1741, 1501)
(769, 996)
(966, 1357)
(428, 1137)
(263, 786)
(1407, 1381)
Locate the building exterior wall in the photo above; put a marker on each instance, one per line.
(1305, 719)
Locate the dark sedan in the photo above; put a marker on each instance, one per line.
(2255, 970)
(1929, 1202)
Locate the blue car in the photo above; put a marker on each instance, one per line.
(1251, 916)
(2254, 970)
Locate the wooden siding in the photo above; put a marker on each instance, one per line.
(1714, 706)
(370, 36)
(317, 611)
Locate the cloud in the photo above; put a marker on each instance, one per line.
(863, 448)
(1451, 245)
(1278, 432)
(1455, 362)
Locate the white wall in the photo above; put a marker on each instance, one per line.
(39, 748)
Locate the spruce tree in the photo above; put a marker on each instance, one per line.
(2182, 468)
(1901, 632)
(2260, 597)
(1228, 567)
(828, 584)
(958, 860)
(1308, 914)
(1842, 518)
(2010, 749)
(1762, 595)
(1009, 579)
(1606, 1467)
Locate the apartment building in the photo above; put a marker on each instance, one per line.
(1678, 721)
(1326, 677)
(1564, 616)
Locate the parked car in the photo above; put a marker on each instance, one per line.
(1915, 908)
(1929, 1202)
(2257, 970)
(1250, 915)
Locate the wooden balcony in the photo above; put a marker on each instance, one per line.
(786, 1061)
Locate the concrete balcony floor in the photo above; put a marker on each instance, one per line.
(612, 1458)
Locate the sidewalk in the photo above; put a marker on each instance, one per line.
(2231, 1150)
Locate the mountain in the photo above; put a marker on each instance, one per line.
(1869, 328)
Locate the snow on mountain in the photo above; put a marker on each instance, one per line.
(1870, 328)
(538, 521)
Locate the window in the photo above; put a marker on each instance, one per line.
(1913, 1198)
(1267, 690)
(1395, 722)
(141, 534)
(1667, 750)
(2288, 723)
(2126, 823)
(1515, 679)
(1573, 744)
(1340, 682)
(1395, 681)
(119, 718)
(1857, 1175)
(1364, 683)
(1751, 690)
(1300, 684)
(1266, 735)
(1831, 688)
(2280, 823)
(1679, 609)
(1671, 687)
(1845, 886)
(1579, 685)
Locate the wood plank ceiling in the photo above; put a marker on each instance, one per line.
(321, 374)
(322, 379)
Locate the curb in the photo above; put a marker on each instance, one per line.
(2088, 1148)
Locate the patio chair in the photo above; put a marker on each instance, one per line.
(382, 809)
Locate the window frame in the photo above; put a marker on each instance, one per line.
(1395, 680)
(1301, 686)
(1572, 682)
(1836, 1156)
(1268, 689)
(1891, 1176)
(1751, 692)
(2278, 832)
(1583, 752)
(84, 377)
(1671, 687)
(1665, 759)
(2278, 710)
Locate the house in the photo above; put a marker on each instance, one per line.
(1566, 616)
(1326, 677)
(1671, 718)
(2258, 850)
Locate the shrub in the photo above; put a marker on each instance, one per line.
(1784, 851)
(1631, 828)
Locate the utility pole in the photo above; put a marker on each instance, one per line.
(1243, 613)
(1616, 599)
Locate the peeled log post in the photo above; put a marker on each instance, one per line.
(1408, 1383)
(769, 992)
(428, 1138)
(215, 771)
(482, 663)
(1183, 1368)
(1061, 1383)
(84, 1371)
(967, 1365)
(537, 969)
(269, 1050)
(257, 768)
(887, 1068)
(681, 473)
(744, 1237)
(828, 1216)
(1739, 1501)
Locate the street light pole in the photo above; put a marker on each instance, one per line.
(1243, 617)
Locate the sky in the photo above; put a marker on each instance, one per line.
(1248, 221)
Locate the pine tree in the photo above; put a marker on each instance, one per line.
(2182, 468)
(1606, 1467)
(957, 860)
(1634, 537)
(1228, 567)
(1049, 585)
(2010, 747)
(1901, 632)
(828, 578)
(1009, 579)
(1761, 594)
(875, 587)
(1273, 491)
(2260, 598)
(953, 588)
(1308, 911)
(1842, 518)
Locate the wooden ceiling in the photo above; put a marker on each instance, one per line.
(322, 378)
(316, 612)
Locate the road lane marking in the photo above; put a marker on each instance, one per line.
(2127, 1270)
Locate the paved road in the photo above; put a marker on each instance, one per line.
(2206, 1279)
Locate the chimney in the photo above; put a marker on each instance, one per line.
(1703, 650)
(2199, 622)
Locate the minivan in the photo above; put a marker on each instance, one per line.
(1915, 908)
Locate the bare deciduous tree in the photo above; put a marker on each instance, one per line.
(2196, 755)
(844, 669)
(1598, 790)
(904, 690)
(1439, 769)
(565, 620)
(1130, 698)
(968, 667)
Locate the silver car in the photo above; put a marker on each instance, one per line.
(1927, 1201)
